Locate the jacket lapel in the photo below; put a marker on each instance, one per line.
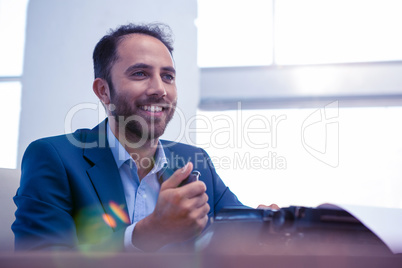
(105, 177)
(170, 167)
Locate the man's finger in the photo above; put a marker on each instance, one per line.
(180, 175)
(193, 189)
(272, 206)
(198, 201)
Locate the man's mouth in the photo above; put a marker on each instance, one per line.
(151, 108)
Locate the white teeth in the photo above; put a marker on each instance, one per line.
(151, 109)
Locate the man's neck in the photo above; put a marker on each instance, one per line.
(142, 151)
(143, 158)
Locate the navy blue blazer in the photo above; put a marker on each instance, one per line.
(69, 183)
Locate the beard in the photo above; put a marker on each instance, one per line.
(134, 125)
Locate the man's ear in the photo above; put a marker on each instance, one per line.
(101, 89)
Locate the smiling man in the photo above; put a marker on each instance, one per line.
(118, 186)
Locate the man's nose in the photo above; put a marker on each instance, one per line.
(157, 87)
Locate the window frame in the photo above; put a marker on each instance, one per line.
(275, 86)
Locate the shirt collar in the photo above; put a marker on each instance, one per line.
(121, 155)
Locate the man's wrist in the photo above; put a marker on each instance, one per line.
(146, 235)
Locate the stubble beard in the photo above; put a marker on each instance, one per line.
(135, 129)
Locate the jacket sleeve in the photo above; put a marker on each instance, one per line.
(46, 216)
(223, 197)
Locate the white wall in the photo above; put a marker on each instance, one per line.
(58, 70)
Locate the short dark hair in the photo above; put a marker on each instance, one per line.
(105, 52)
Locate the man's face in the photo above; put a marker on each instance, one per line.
(143, 88)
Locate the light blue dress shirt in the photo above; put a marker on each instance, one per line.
(141, 196)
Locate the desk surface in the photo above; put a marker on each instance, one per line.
(114, 260)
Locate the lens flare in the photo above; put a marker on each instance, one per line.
(119, 212)
(109, 220)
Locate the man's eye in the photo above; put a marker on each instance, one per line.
(138, 74)
(168, 77)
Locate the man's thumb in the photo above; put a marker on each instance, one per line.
(180, 175)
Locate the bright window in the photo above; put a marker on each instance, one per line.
(10, 94)
(337, 31)
(312, 155)
(288, 32)
(12, 29)
(307, 156)
(234, 32)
